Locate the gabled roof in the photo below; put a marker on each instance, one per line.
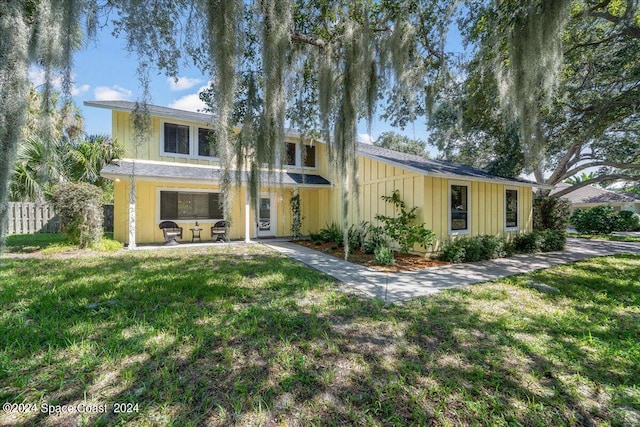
(428, 167)
(590, 194)
(437, 168)
(199, 173)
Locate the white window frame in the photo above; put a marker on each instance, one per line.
(193, 141)
(196, 144)
(468, 229)
(298, 155)
(184, 190)
(517, 190)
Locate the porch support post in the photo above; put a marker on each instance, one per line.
(132, 213)
(247, 215)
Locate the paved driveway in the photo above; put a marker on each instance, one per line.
(394, 287)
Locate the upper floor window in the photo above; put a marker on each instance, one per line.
(309, 156)
(290, 159)
(207, 143)
(176, 138)
(511, 208)
(459, 208)
(296, 157)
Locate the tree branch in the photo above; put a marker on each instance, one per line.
(624, 166)
(303, 38)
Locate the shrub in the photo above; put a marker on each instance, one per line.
(383, 256)
(375, 238)
(358, 235)
(540, 241)
(550, 213)
(79, 206)
(332, 233)
(400, 228)
(595, 220)
(472, 249)
(628, 221)
(553, 240)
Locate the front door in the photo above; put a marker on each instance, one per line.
(267, 216)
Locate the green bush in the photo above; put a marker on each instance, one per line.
(79, 206)
(358, 235)
(375, 238)
(472, 249)
(553, 241)
(401, 228)
(383, 256)
(550, 213)
(332, 233)
(540, 241)
(595, 220)
(628, 221)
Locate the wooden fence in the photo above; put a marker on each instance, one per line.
(31, 218)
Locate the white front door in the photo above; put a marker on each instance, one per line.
(267, 215)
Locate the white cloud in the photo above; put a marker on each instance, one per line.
(36, 76)
(365, 138)
(182, 83)
(113, 93)
(190, 102)
(77, 91)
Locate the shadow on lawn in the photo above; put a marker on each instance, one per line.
(216, 339)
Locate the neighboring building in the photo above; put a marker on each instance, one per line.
(589, 196)
(177, 178)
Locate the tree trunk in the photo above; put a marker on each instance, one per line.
(13, 106)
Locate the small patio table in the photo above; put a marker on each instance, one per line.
(195, 234)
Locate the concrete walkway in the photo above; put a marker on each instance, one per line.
(395, 287)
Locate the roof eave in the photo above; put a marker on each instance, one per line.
(504, 181)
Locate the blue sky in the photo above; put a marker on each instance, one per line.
(104, 71)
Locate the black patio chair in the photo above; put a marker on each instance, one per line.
(171, 231)
(219, 231)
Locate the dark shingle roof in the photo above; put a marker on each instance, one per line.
(199, 173)
(433, 167)
(590, 194)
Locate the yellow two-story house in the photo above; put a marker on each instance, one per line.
(176, 178)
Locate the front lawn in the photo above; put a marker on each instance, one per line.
(240, 335)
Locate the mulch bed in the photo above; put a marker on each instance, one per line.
(404, 262)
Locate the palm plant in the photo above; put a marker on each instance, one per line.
(577, 179)
(38, 167)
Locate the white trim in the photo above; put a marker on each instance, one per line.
(193, 142)
(184, 190)
(504, 194)
(273, 215)
(162, 142)
(298, 162)
(468, 229)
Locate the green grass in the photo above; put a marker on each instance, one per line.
(54, 243)
(240, 335)
(611, 237)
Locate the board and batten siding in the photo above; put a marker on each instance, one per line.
(431, 196)
(147, 210)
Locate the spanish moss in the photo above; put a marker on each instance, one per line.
(535, 61)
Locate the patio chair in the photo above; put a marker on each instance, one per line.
(170, 230)
(219, 230)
